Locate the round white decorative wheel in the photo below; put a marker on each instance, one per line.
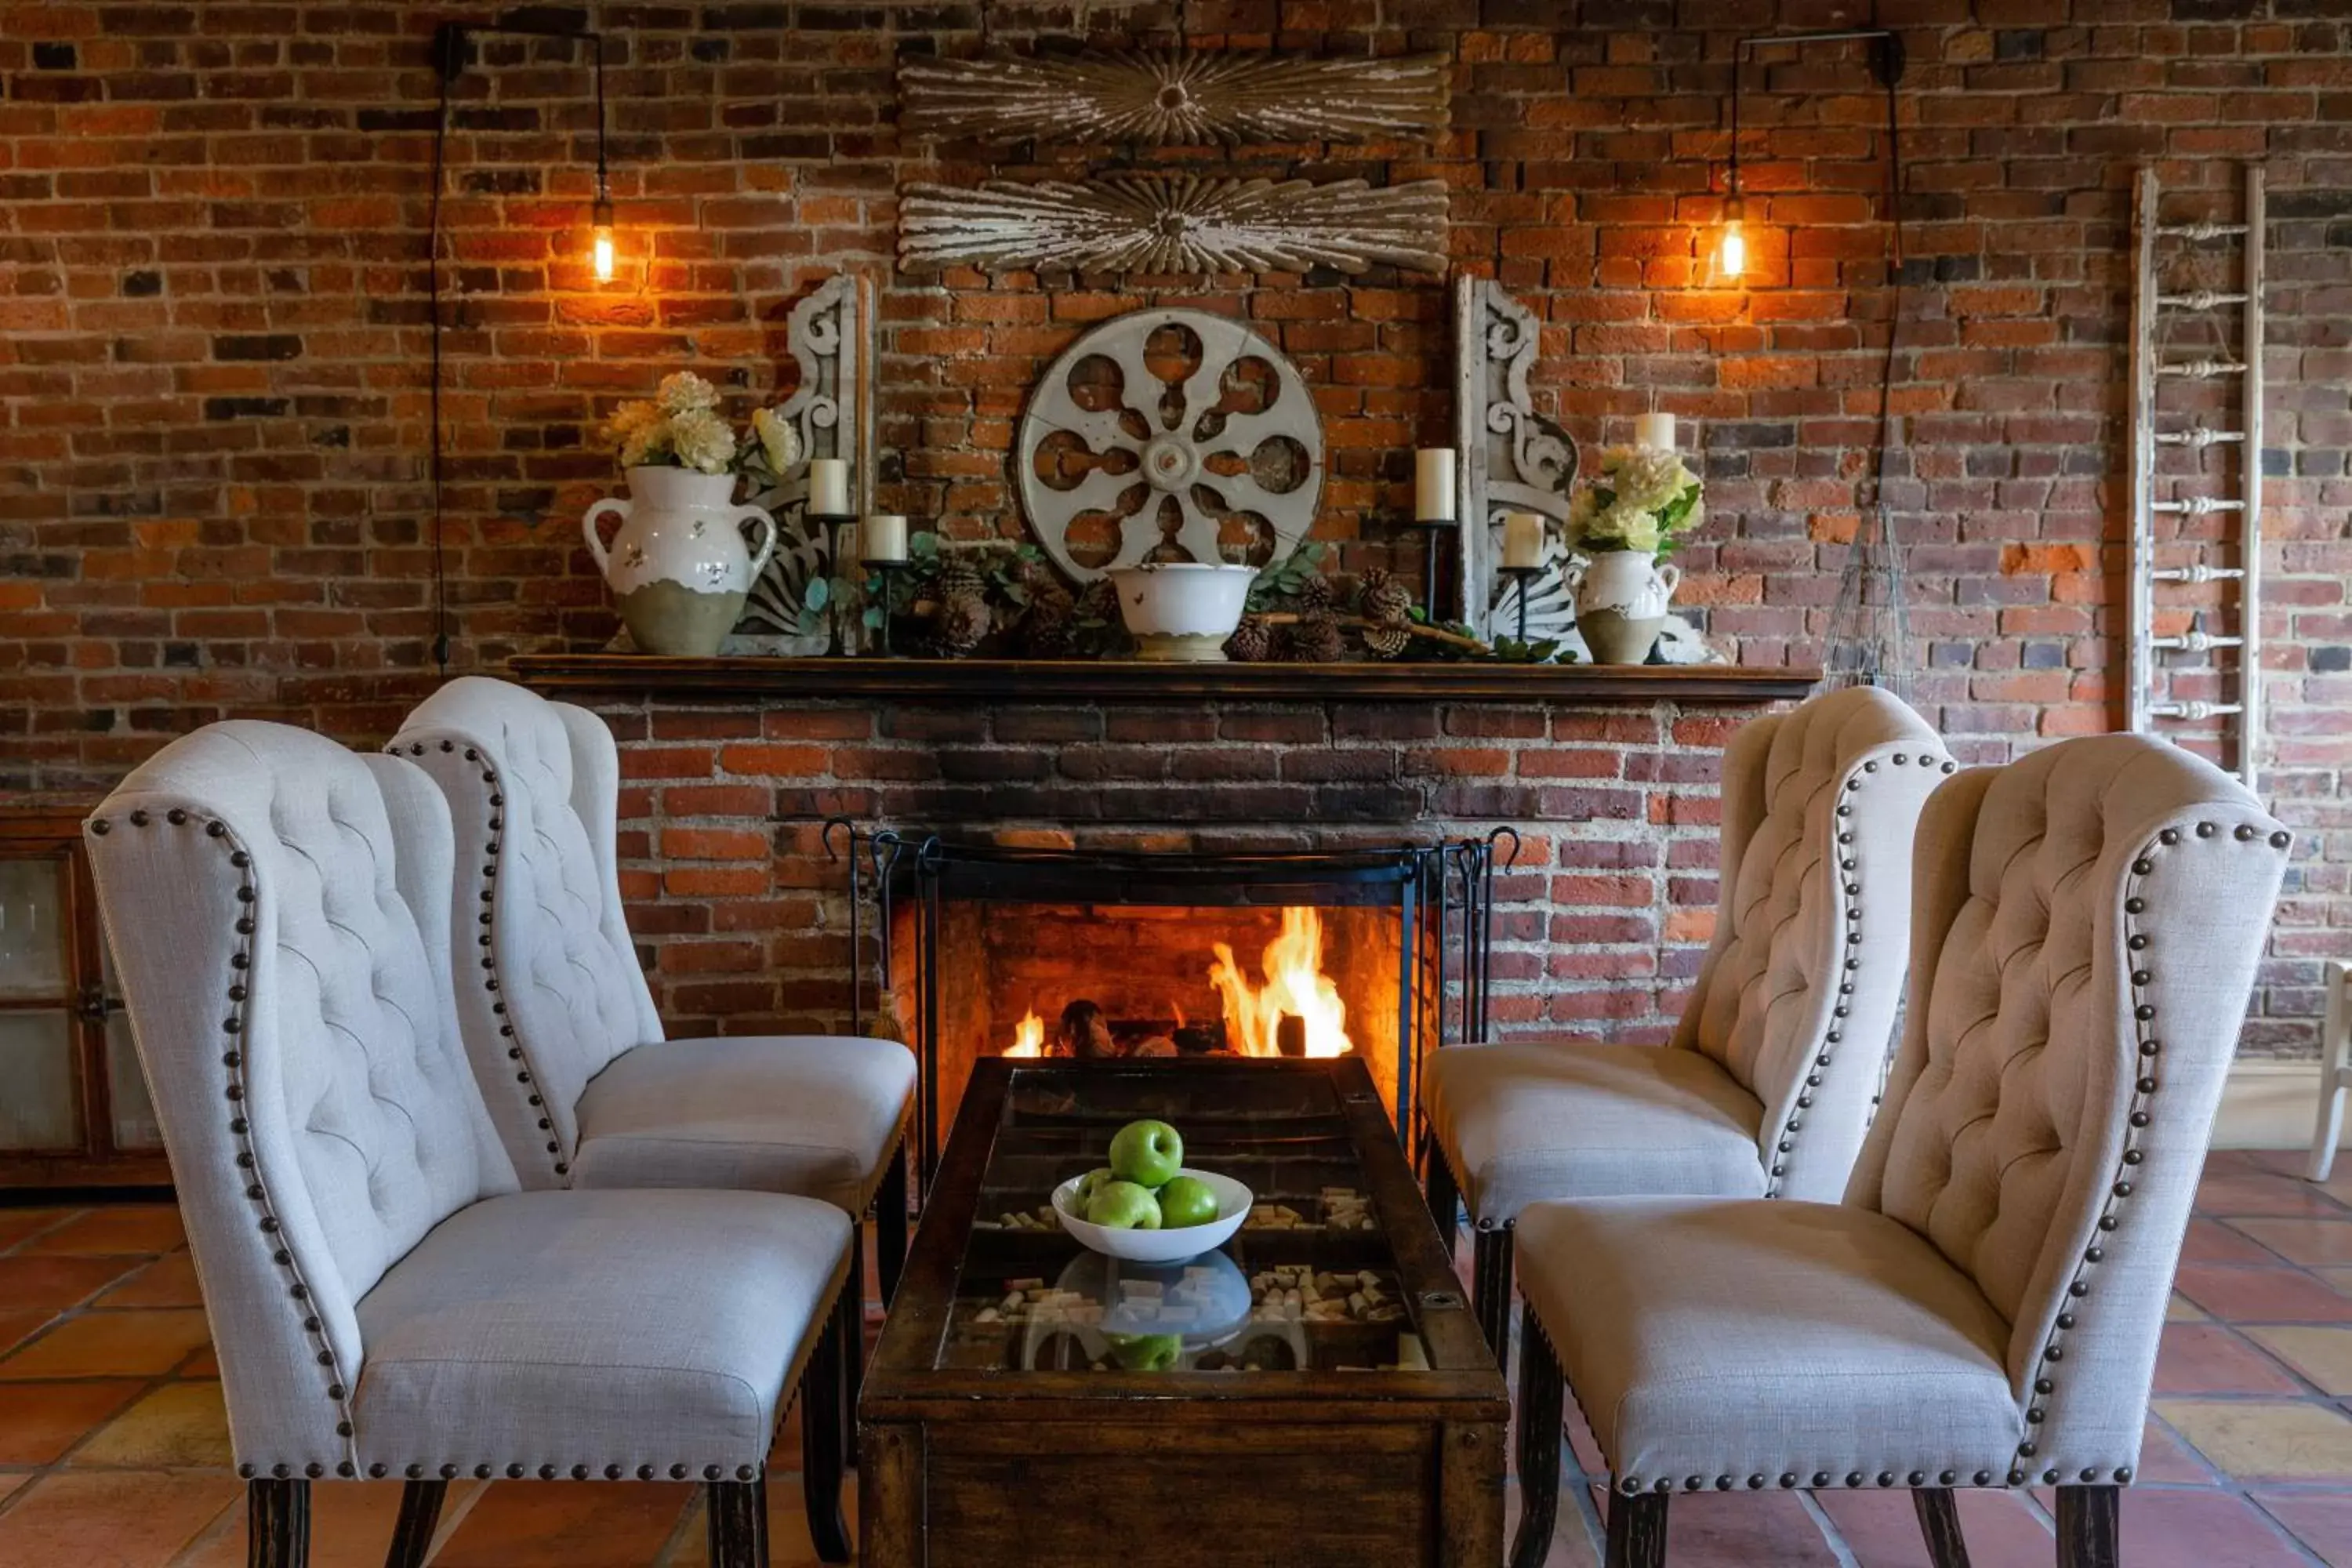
(1221, 460)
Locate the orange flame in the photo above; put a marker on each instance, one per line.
(1028, 1037)
(1295, 986)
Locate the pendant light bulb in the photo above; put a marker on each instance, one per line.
(1731, 256)
(600, 242)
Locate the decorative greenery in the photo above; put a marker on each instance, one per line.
(1279, 584)
(1644, 501)
(1031, 611)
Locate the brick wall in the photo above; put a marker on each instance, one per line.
(213, 273)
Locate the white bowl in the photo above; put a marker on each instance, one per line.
(1182, 609)
(1234, 1202)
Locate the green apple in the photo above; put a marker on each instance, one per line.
(1147, 1352)
(1186, 1201)
(1088, 1185)
(1147, 1153)
(1123, 1205)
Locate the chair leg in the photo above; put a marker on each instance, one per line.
(853, 1345)
(821, 1440)
(890, 1225)
(738, 1513)
(1490, 1288)
(1444, 1197)
(1539, 1439)
(420, 1513)
(2090, 1527)
(1939, 1521)
(2334, 1070)
(1637, 1530)
(276, 1524)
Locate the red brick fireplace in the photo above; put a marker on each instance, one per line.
(744, 920)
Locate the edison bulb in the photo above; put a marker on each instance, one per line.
(599, 252)
(1733, 257)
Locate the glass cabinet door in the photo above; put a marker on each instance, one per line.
(40, 1075)
(133, 1112)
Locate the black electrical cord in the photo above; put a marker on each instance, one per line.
(1886, 61)
(450, 64)
(450, 48)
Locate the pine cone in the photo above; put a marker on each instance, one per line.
(1315, 639)
(1098, 601)
(1383, 598)
(1314, 593)
(960, 574)
(1045, 632)
(963, 622)
(1388, 640)
(1252, 642)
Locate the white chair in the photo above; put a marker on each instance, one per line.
(1983, 1308)
(382, 1301)
(2334, 1069)
(1767, 1086)
(581, 1085)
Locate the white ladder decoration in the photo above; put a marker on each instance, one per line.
(2152, 700)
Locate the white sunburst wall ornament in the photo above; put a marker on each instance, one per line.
(1175, 442)
(1186, 224)
(1176, 98)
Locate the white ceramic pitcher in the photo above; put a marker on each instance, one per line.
(1621, 603)
(679, 566)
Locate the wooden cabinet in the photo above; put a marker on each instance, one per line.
(74, 1110)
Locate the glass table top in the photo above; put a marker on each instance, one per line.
(1310, 1283)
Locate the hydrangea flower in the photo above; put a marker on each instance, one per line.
(702, 441)
(683, 392)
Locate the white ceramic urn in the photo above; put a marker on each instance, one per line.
(1621, 603)
(679, 566)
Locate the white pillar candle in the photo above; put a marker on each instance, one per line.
(1654, 430)
(1432, 484)
(882, 538)
(1523, 537)
(828, 481)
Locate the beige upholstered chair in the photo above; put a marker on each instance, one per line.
(1983, 1308)
(583, 1089)
(1767, 1083)
(382, 1301)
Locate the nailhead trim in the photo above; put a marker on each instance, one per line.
(1850, 889)
(257, 1191)
(525, 1074)
(2053, 1351)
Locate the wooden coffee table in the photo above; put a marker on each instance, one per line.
(1033, 1404)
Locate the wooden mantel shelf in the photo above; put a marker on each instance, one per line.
(1110, 681)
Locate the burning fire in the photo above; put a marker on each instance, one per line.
(1028, 1037)
(1295, 986)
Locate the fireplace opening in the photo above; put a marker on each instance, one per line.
(1132, 956)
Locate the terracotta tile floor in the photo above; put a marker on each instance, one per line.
(113, 1453)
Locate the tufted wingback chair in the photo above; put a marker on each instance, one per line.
(583, 1089)
(1766, 1087)
(1983, 1308)
(381, 1298)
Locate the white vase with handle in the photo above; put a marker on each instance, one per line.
(678, 566)
(1621, 604)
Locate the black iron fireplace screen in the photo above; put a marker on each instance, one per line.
(1434, 900)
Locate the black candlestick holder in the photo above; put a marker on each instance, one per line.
(831, 523)
(1433, 530)
(1522, 576)
(888, 571)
